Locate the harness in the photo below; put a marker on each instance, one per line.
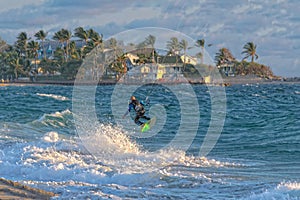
(138, 107)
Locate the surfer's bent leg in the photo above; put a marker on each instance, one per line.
(142, 115)
(145, 117)
(137, 121)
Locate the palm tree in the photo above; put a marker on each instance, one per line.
(67, 35)
(173, 47)
(58, 36)
(74, 53)
(63, 36)
(59, 56)
(94, 40)
(200, 43)
(21, 44)
(41, 35)
(184, 46)
(17, 67)
(82, 34)
(142, 52)
(3, 45)
(150, 40)
(250, 51)
(224, 56)
(120, 65)
(33, 48)
(3, 62)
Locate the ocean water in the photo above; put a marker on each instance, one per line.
(256, 155)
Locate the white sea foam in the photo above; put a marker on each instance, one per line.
(109, 140)
(57, 119)
(57, 114)
(116, 151)
(51, 136)
(113, 146)
(54, 96)
(121, 164)
(284, 190)
(289, 186)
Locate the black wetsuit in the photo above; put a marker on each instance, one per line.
(139, 110)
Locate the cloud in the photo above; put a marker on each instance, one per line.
(216, 27)
(13, 4)
(271, 30)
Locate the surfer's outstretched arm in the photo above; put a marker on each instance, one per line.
(125, 114)
(130, 107)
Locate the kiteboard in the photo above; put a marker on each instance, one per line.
(147, 126)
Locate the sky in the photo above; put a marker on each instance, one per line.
(273, 25)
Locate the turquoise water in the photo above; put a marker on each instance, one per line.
(257, 155)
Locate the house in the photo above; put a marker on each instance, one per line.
(161, 70)
(146, 51)
(227, 69)
(51, 45)
(132, 58)
(174, 64)
(188, 59)
(165, 66)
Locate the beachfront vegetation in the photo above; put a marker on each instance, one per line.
(225, 60)
(250, 51)
(29, 57)
(200, 43)
(224, 56)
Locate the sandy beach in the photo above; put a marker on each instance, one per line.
(227, 81)
(14, 190)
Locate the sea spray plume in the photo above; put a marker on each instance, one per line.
(110, 140)
(83, 99)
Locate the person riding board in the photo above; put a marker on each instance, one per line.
(138, 107)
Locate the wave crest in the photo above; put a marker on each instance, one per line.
(57, 119)
(54, 96)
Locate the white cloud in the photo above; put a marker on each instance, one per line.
(245, 8)
(262, 32)
(241, 9)
(215, 28)
(14, 4)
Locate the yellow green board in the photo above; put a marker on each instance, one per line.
(147, 126)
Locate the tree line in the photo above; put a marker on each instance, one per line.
(22, 57)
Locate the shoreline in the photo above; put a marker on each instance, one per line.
(226, 81)
(15, 190)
